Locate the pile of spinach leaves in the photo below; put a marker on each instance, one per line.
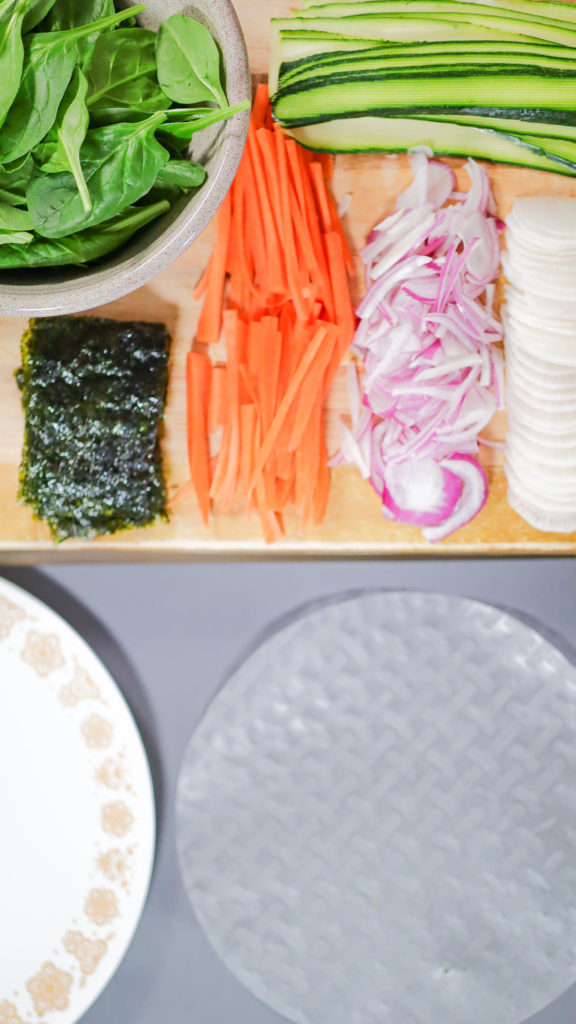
(96, 115)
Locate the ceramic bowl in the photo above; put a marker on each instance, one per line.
(74, 289)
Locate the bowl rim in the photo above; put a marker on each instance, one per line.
(104, 285)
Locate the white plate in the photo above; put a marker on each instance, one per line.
(376, 816)
(77, 818)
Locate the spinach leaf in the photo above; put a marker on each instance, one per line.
(188, 62)
(35, 13)
(121, 71)
(117, 115)
(179, 133)
(12, 198)
(70, 130)
(15, 226)
(85, 245)
(120, 164)
(14, 179)
(67, 14)
(12, 219)
(11, 56)
(180, 174)
(16, 237)
(50, 58)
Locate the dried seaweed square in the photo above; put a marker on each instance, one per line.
(94, 393)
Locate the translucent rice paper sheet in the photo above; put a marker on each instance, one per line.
(376, 816)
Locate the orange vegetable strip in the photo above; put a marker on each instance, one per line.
(291, 392)
(275, 256)
(313, 258)
(298, 279)
(235, 334)
(210, 322)
(248, 425)
(284, 490)
(269, 369)
(221, 464)
(253, 348)
(322, 486)
(253, 228)
(300, 341)
(260, 107)
(198, 374)
(202, 285)
(270, 162)
(236, 259)
(317, 176)
(181, 493)
(311, 395)
(286, 325)
(336, 263)
(217, 402)
(271, 527)
(313, 222)
(327, 161)
(249, 385)
(338, 226)
(309, 466)
(230, 484)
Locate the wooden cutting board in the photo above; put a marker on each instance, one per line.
(354, 524)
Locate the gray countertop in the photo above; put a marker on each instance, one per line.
(169, 635)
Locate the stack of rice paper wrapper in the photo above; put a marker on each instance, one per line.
(540, 332)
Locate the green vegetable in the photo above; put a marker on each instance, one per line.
(86, 246)
(50, 58)
(181, 174)
(14, 180)
(11, 57)
(12, 219)
(70, 130)
(83, 144)
(121, 72)
(177, 177)
(15, 237)
(35, 13)
(464, 78)
(93, 393)
(67, 14)
(15, 226)
(391, 134)
(120, 164)
(189, 62)
(186, 123)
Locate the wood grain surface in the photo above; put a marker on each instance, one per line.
(354, 525)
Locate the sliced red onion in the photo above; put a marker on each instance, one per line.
(472, 499)
(421, 492)
(433, 183)
(432, 377)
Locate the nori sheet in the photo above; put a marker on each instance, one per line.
(94, 393)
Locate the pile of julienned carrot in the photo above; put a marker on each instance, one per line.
(277, 283)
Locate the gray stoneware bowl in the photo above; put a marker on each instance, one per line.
(73, 289)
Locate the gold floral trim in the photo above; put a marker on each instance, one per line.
(80, 687)
(112, 774)
(50, 989)
(113, 865)
(97, 732)
(101, 906)
(10, 614)
(88, 952)
(43, 652)
(117, 819)
(8, 1012)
